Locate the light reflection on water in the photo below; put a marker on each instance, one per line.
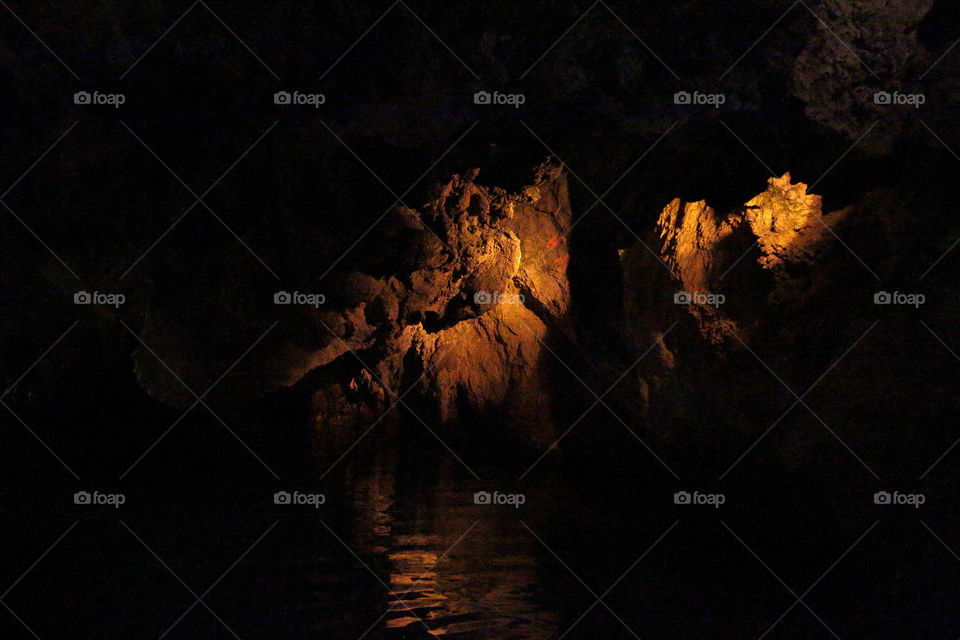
(454, 569)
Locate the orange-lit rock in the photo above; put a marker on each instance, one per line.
(797, 289)
(788, 223)
(743, 271)
(453, 301)
(467, 329)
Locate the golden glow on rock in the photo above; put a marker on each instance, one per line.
(787, 222)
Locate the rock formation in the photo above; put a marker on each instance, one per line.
(683, 271)
(453, 307)
(737, 307)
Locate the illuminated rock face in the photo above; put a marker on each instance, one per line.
(465, 325)
(721, 281)
(451, 302)
(788, 223)
(761, 251)
(779, 293)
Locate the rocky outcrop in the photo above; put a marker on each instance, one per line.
(713, 281)
(452, 306)
(733, 273)
(739, 308)
(683, 272)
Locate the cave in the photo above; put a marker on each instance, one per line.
(469, 320)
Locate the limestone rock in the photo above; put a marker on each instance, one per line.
(453, 304)
(713, 281)
(797, 291)
(787, 222)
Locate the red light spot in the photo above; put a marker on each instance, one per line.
(552, 242)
